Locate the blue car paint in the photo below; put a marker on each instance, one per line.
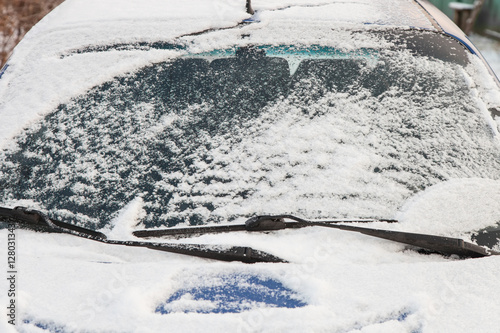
(4, 68)
(236, 293)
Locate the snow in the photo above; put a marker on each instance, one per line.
(350, 282)
(127, 220)
(296, 151)
(453, 208)
(37, 70)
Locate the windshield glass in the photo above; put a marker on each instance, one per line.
(214, 136)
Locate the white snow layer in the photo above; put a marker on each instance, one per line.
(350, 282)
(39, 77)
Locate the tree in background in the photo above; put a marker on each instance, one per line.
(16, 19)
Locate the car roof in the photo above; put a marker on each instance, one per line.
(77, 23)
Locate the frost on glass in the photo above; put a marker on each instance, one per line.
(208, 141)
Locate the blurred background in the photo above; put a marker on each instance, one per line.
(16, 19)
(480, 19)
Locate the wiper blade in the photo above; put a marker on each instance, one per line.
(444, 245)
(257, 223)
(36, 220)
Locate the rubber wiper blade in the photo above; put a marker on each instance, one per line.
(257, 223)
(38, 221)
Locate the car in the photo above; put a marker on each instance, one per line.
(349, 150)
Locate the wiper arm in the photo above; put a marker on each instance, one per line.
(36, 220)
(444, 245)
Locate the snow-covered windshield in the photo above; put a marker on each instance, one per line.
(215, 136)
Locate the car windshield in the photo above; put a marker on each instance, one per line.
(213, 136)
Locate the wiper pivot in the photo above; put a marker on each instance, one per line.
(37, 220)
(265, 223)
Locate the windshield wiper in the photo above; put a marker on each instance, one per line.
(440, 244)
(36, 220)
(257, 223)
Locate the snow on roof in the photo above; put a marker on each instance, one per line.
(104, 21)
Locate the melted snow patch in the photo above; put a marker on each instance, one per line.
(453, 208)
